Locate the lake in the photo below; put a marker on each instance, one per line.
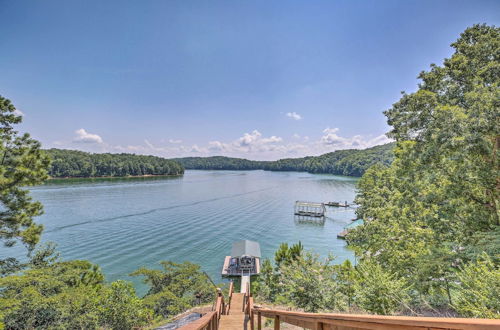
(123, 224)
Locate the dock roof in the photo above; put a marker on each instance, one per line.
(245, 248)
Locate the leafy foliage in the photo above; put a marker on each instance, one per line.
(435, 208)
(302, 280)
(176, 287)
(69, 295)
(378, 291)
(480, 287)
(309, 283)
(72, 163)
(22, 164)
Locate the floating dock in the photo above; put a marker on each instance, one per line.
(337, 204)
(354, 224)
(310, 209)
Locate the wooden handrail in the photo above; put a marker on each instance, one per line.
(206, 322)
(209, 321)
(248, 306)
(352, 321)
(229, 297)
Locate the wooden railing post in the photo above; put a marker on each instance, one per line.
(250, 311)
(259, 321)
(318, 326)
(276, 322)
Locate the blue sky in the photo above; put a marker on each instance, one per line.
(254, 79)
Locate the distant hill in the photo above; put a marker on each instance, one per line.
(73, 163)
(351, 162)
(79, 164)
(220, 163)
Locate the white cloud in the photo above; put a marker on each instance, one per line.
(216, 146)
(249, 138)
(251, 145)
(82, 136)
(294, 115)
(18, 112)
(272, 139)
(174, 141)
(332, 139)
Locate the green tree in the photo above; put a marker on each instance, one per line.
(309, 283)
(68, 295)
(346, 277)
(120, 308)
(479, 294)
(287, 254)
(22, 163)
(379, 291)
(436, 206)
(176, 287)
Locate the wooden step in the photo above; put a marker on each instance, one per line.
(236, 303)
(233, 322)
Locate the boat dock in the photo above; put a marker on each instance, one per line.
(243, 261)
(355, 223)
(337, 204)
(309, 209)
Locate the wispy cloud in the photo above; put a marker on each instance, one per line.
(294, 115)
(82, 136)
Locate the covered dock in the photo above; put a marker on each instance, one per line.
(244, 259)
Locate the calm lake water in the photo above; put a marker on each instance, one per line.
(123, 224)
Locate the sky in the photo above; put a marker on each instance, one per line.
(254, 79)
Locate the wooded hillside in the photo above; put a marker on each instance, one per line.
(72, 163)
(352, 162)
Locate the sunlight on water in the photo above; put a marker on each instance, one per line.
(123, 224)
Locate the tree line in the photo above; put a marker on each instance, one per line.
(73, 163)
(350, 162)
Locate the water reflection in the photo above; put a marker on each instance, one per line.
(310, 221)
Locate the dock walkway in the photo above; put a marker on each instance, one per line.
(245, 280)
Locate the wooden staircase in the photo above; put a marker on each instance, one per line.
(235, 319)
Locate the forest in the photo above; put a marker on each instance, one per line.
(79, 164)
(350, 162)
(72, 163)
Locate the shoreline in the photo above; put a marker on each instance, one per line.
(114, 177)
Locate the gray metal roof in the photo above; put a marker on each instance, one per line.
(245, 248)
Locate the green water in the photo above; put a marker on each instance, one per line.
(123, 224)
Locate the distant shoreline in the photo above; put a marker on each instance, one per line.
(114, 177)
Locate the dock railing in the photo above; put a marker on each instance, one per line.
(327, 321)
